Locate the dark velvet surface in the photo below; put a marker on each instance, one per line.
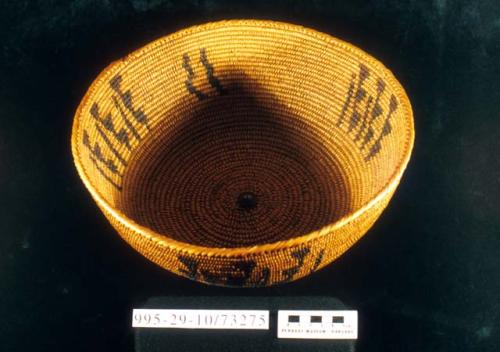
(425, 278)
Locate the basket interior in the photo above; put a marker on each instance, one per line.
(226, 138)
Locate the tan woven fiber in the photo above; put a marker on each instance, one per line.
(243, 152)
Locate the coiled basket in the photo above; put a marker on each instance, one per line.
(243, 152)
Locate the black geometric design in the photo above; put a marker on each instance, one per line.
(126, 98)
(107, 122)
(347, 101)
(376, 112)
(125, 119)
(318, 260)
(361, 122)
(244, 270)
(101, 171)
(214, 81)
(191, 266)
(386, 129)
(97, 154)
(106, 129)
(191, 75)
(299, 255)
(110, 146)
(359, 95)
(264, 279)
(212, 278)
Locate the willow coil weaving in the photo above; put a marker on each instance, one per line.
(243, 152)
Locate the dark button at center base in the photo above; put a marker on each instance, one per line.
(246, 201)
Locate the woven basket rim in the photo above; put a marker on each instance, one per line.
(163, 240)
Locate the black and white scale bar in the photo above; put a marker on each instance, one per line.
(318, 324)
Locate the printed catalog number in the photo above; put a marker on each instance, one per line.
(203, 319)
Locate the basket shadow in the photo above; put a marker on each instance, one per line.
(235, 167)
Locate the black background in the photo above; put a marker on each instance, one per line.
(425, 278)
